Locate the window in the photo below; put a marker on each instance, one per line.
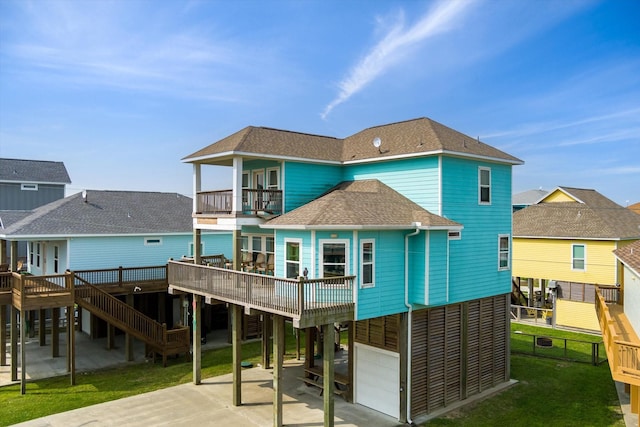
(578, 257)
(245, 186)
(191, 253)
(292, 261)
(152, 241)
(454, 235)
(56, 259)
(333, 258)
(37, 254)
(29, 187)
(484, 186)
(272, 179)
(503, 252)
(31, 253)
(367, 265)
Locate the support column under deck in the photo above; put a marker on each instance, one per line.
(278, 359)
(14, 344)
(128, 339)
(55, 332)
(328, 366)
(266, 338)
(42, 327)
(236, 335)
(23, 356)
(197, 342)
(3, 334)
(71, 344)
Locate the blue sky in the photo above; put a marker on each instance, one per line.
(121, 91)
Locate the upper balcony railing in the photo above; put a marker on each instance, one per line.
(254, 202)
(620, 341)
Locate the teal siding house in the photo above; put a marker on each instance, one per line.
(416, 214)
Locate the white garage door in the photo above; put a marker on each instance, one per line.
(377, 378)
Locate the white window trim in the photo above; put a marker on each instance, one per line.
(347, 257)
(480, 169)
(191, 252)
(151, 241)
(28, 187)
(508, 237)
(269, 185)
(373, 263)
(583, 259)
(288, 240)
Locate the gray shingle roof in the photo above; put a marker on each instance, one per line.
(360, 204)
(591, 216)
(529, 197)
(416, 137)
(108, 212)
(33, 171)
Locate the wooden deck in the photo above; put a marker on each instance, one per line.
(306, 302)
(620, 340)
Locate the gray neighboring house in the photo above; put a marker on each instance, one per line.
(527, 198)
(26, 185)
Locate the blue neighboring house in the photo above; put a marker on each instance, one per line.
(419, 214)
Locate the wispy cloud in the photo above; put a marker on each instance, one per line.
(395, 45)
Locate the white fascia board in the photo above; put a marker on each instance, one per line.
(360, 227)
(260, 156)
(71, 236)
(34, 182)
(605, 239)
(433, 153)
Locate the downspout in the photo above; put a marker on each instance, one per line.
(409, 316)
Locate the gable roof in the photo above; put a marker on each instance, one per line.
(107, 213)
(630, 255)
(576, 213)
(365, 204)
(411, 138)
(528, 197)
(17, 170)
(635, 207)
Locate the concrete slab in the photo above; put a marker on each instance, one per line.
(207, 404)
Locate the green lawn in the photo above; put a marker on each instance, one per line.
(548, 393)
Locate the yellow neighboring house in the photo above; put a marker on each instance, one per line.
(567, 240)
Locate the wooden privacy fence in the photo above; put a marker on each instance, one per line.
(624, 356)
(289, 297)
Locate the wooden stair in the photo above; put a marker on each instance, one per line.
(157, 338)
(517, 297)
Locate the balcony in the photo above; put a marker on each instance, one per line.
(254, 202)
(307, 302)
(620, 339)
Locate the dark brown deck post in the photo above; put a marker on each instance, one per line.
(278, 359)
(309, 346)
(3, 334)
(23, 357)
(42, 327)
(197, 239)
(266, 337)
(14, 343)
(328, 363)
(197, 342)
(71, 340)
(237, 249)
(236, 335)
(55, 332)
(128, 338)
(111, 336)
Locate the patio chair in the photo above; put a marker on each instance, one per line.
(267, 267)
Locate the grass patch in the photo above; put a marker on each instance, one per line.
(549, 393)
(53, 395)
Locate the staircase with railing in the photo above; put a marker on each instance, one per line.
(157, 338)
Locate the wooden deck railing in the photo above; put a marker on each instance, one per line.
(288, 297)
(624, 356)
(253, 202)
(5, 282)
(123, 275)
